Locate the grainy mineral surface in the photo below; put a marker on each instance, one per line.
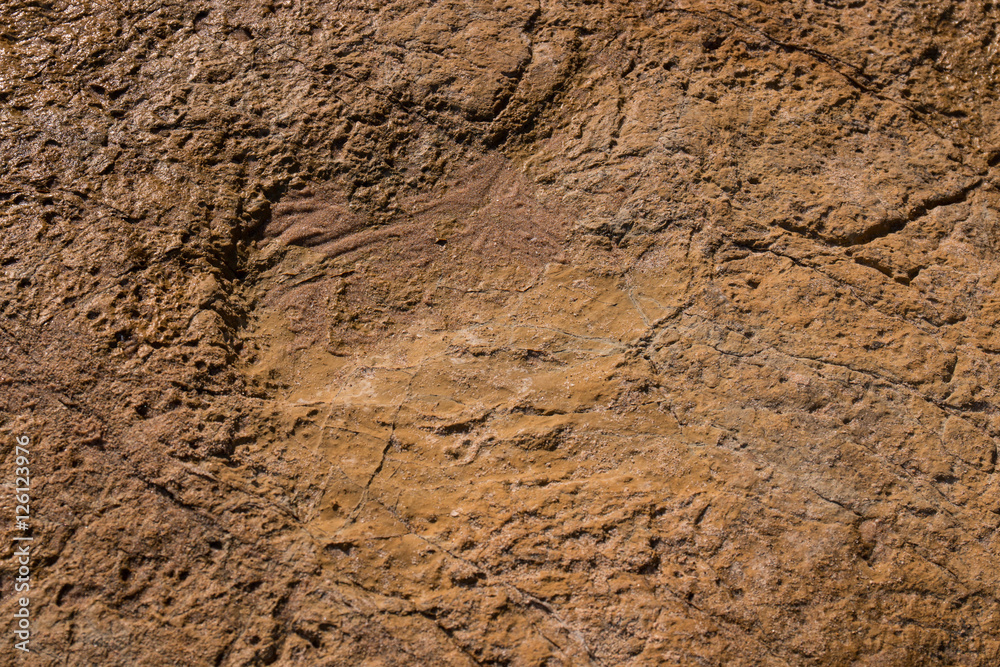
(503, 333)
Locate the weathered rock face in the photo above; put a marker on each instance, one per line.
(450, 333)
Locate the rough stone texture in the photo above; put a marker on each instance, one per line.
(461, 333)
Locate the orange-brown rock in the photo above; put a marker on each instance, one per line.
(471, 333)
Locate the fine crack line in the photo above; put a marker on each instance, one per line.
(534, 602)
(547, 608)
(919, 485)
(894, 224)
(770, 249)
(835, 502)
(837, 65)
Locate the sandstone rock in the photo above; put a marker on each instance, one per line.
(504, 333)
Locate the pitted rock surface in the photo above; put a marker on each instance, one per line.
(521, 333)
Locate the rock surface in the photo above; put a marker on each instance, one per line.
(473, 333)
